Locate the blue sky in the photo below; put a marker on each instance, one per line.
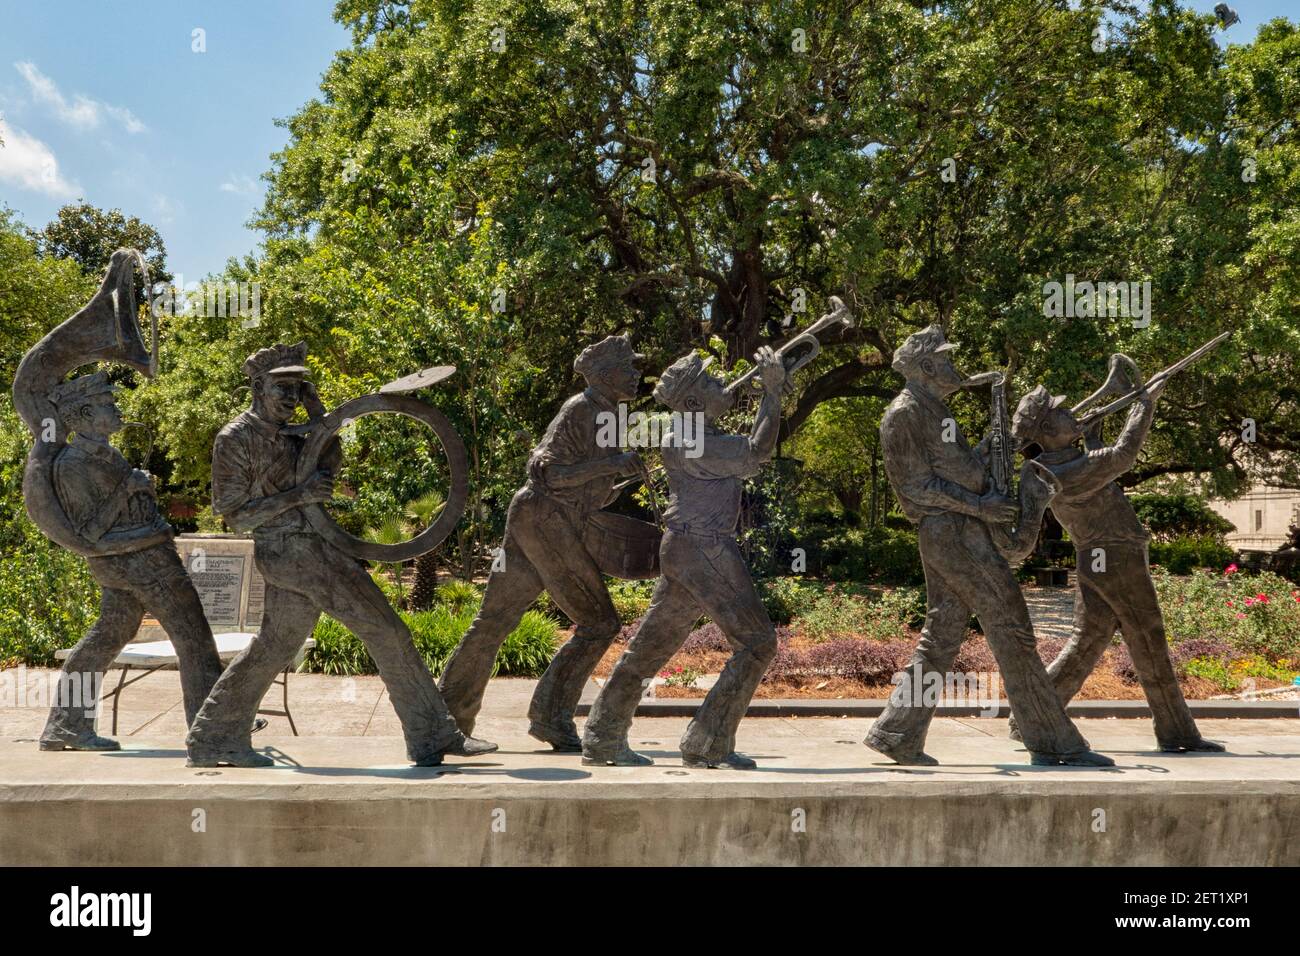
(106, 100)
(111, 93)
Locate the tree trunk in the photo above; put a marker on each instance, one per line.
(425, 584)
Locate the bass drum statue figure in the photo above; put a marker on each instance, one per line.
(256, 487)
(84, 495)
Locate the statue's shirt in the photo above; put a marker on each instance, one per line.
(252, 460)
(570, 439)
(705, 489)
(930, 476)
(90, 482)
(1090, 505)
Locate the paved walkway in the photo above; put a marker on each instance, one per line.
(1051, 609)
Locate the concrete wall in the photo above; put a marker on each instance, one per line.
(1262, 516)
(1012, 822)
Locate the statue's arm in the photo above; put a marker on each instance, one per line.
(572, 437)
(232, 483)
(910, 473)
(1103, 465)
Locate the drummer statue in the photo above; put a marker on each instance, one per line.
(571, 475)
(254, 487)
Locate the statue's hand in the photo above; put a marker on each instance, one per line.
(319, 487)
(998, 509)
(311, 401)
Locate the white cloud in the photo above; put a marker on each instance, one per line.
(240, 185)
(28, 163)
(166, 210)
(81, 111)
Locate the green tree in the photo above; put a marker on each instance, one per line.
(89, 236)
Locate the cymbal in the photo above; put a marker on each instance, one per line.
(421, 379)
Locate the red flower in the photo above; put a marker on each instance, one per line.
(1240, 616)
(1261, 598)
(1230, 569)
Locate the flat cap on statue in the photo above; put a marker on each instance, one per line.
(81, 388)
(929, 341)
(1029, 413)
(608, 352)
(678, 378)
(277, 360)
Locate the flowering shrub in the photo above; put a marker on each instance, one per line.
(1256, 614)
(680, 676)
(840, 613)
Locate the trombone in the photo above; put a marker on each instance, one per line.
(804, 347)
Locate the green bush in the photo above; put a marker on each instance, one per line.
(1185, 554)
(786, 598)
(458, 594)
(631, 598)
(48, 600)
(1170, 517)
(880, 555)
(524, 653)
(1258, 614)
(837, 612)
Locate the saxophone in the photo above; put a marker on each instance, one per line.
(1036, 488)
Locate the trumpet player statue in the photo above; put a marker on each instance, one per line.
(1114, 584)
(703, 572)
(254, 463)
(943, 487)
(571, 475)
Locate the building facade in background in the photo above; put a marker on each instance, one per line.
(1262, 517)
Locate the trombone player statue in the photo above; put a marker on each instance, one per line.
(943, 487)
(1114, 583)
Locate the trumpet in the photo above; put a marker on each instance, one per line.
(804, 347)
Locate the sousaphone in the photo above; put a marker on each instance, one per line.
(107, 329)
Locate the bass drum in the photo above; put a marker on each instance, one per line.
(623, 547)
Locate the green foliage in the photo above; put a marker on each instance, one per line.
(48, 600)
(458, 594)
(89, 236)
(787, 598)
(631, 598)
(1169, 516)
(880, 555)
(678, 676)
(837, 613)
(1259, 614)
(1182, 555)
(524, 653)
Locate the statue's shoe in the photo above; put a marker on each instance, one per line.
(906, 758)
(1014, 732)
(562, 739)
(204, 757)
(463, 746)
(89, 741)
(625, 756)
(732, 761)
(1085, 758)
(1199, 745)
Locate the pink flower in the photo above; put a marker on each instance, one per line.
(1230, 569)
(1249, 601)
(1230, 604)
(1261, 598)
(1240, 616)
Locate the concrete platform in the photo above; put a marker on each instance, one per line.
(819, 797)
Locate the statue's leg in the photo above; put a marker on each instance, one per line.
(556, 550)
(983, 580)
(1133, 596)
(721, 583)
(665, 627)
(222, 730)
(71, 724)
(169, 593)
(351, 596)
(508, 595)
(901, 730)
(1094, 627)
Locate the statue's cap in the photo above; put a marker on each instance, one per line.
(1030, 411)
(678, 378)
(609, 352)
(929, 341)
(277, 360)
(81, 388)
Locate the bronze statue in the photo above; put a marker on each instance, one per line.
(943, 487)
(1114, 581)
(703, 572)
(571, 476)
(84, 495)
(255, 487)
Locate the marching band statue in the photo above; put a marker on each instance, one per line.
(703, 572)
(942, 485)
(84, 496)
(571, 476)
(111, 502)
(254, 487)
(1114, 582)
